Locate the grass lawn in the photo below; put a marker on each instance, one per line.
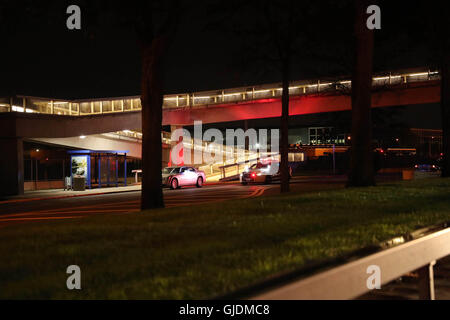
(201, 252)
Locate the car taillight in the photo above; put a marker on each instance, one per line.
(253, 174)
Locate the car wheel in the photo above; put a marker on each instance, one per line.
(199, 182)
(174, 184)
(244, 183)
(268, 179)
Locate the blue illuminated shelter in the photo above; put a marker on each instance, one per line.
(104, 164)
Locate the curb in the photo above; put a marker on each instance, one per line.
(62, 197)
(84, 195)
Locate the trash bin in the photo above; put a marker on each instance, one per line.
(408, 174)
(79, 184)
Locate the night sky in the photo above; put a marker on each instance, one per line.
(41, 57)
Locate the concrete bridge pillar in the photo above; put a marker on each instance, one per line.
(11, 166)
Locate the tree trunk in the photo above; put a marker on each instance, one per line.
(361, 166)
(284, 165)
(445, 108)
(152, 101)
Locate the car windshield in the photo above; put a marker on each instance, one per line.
(171, 170)
(259, 165)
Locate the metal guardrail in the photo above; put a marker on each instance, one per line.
(349, 281)
(189, 100)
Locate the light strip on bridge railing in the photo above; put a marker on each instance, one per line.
(417, 74)
(246, 93)
(20, 109)
(233, 94)
(387, 77)
(262, 91)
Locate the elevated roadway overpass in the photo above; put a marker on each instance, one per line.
(24, 117)
(44, 117)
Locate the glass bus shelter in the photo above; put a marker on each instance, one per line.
(100, 168)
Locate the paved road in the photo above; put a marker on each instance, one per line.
(24, 211)
(118, 203)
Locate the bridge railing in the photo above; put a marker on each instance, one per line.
(351, 280)
(296, 88)
(191, 100)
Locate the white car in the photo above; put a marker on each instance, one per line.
(176, 177)
(263, 172)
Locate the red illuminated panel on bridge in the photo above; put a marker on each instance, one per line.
(271, 108)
